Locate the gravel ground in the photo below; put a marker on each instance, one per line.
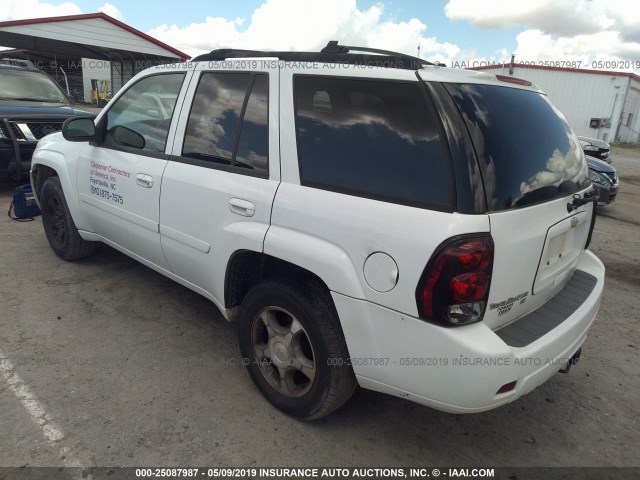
(107, 363)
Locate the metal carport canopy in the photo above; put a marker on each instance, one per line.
(93, 35)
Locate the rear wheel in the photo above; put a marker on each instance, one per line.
(295, 349)
(59, 228)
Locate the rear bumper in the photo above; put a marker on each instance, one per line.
(458, 370)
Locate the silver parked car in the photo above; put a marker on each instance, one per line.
(605, 177)
(595, 148)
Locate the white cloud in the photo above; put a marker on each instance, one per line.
(112, 11)
(560, 17)
(22, 9)
(626, 18)
(584, 30)
(559, 167)
(534, 45)
(197, 38)
(306, 25)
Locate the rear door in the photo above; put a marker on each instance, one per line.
(532, 165)
(219, 184)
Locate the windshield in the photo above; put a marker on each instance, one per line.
(29, 85)
(527, 151)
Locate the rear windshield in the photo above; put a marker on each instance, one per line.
(527, 151)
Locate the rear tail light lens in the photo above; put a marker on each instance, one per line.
(454, 287)
(469, 287)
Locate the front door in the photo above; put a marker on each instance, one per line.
(119, 176)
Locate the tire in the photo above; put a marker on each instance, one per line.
(59, 228)
(294, 348)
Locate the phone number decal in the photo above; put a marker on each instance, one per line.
(106, 194)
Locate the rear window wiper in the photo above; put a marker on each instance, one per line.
(579, 201)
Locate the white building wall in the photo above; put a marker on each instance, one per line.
(629, 129)
(580, 96)
(92, 31)
(94, 70)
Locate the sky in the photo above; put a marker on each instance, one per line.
(592, 34)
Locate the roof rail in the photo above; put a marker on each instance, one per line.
(334, 47)
(331, 53)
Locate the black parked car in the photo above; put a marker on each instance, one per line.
(595, 148)
(605, 177)
(32, 105)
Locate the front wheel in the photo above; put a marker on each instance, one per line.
(295, 350)
(59, 228)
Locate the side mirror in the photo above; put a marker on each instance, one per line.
(126, 137)
(79, 129)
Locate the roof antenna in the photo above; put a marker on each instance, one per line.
(418, 51)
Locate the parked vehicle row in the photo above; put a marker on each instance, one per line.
(32, 105)
(605, 179)
(596, 148)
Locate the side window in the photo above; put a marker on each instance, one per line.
(376, 139)
(253, 148)
(228, 123)
(140, 118)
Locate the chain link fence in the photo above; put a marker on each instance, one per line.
(93, 87)
(88, 82)
(69, 77)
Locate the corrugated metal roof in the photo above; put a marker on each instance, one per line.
(93, 35)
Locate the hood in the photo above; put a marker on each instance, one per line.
(17, 109)
(599, 165)
(595, 141)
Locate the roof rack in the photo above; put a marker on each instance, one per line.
(331, 53)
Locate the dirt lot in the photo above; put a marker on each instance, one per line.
(107, 363)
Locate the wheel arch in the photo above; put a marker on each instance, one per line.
(49, 163)
(40, 173)
(59, 227)
(247, 268)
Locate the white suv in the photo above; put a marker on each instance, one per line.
(368, 218)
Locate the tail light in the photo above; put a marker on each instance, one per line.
(454, 287)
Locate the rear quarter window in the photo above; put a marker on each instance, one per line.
(527, 151)
(376, 139)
